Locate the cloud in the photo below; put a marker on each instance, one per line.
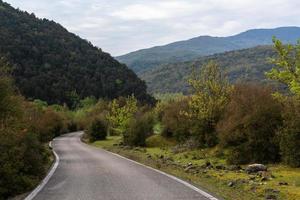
(121, 26)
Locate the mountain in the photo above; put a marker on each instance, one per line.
(181, 51)
(52, 64)
(247, 65)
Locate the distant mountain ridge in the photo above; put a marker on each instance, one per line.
(247, 65)
(52, 64)
(145, 59)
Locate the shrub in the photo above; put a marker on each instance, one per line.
(249, 126)
(97, 130)
(139, 128)
(290, 133)
(175, 123)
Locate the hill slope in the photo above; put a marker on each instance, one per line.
(181, 51)
(57, 66)
(245, 65)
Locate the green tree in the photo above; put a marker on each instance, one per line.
(287, 71)
(211, 91)
(120, 115)
(287, 65)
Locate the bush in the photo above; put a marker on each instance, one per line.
(290, 133)
(97, 130)
(140, 127)
(249, 126)
(175, 123)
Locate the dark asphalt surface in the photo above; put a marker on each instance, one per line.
(87, 173)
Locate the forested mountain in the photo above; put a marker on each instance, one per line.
(54, 65)
(247, 65)
(188, 50)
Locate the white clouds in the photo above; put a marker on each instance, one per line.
(121, 26)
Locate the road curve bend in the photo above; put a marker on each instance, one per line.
(87, 173)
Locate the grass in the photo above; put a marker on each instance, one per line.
(212, 180)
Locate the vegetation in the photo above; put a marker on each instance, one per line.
(212, 135)
(206, 105)
(58, 67)
(182, 51)
(248, 65)
(97, 131)
(24, 129)
(215, 178)
(251, 120)
(197, 137)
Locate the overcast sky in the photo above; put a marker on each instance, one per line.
(122, 26)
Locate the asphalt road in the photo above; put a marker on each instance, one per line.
(87, 173)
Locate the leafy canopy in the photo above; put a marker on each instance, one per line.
(287, 65)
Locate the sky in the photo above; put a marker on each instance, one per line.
(122, 26)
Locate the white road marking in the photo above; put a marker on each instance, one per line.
(46, 179)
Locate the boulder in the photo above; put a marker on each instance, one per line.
(254, 168)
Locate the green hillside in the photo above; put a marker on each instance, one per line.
(54, 65)
(188, 50)
(242, 65)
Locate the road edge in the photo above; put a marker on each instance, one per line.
(47, 178)
(196, 189)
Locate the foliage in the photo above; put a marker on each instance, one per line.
(287, 62)
(249, 126)
(97, 130)
(172, 118)
(139, 128)
(121, 112)
(290, 133)
(206, 105)
(22, 156)
(57, 66)
(247, 65)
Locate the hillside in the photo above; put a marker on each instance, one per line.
(241, 65)
(54, 65)
(188, 50)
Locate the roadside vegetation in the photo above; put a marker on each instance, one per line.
(26, 127)
(212, 136)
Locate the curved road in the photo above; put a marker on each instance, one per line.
(88, 173)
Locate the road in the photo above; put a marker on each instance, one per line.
(88, 173)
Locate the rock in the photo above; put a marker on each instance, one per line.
(271, 191)
(264, 179)
(208, 164)
(271, 197)
(220, 167)
(231, 184)
(271, 194)
(283, 183)
(254, 168)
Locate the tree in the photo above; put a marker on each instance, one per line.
(206, 105)
(120, 115)
(287, 71)
(287, 65)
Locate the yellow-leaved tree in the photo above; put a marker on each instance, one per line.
(211, 91)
